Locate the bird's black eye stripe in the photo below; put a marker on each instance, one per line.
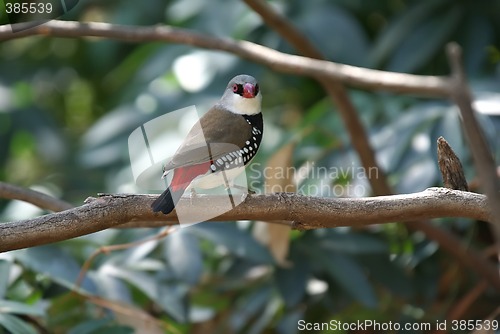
(256, 89)
(238, 89)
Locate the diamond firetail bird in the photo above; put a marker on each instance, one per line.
(225, 138)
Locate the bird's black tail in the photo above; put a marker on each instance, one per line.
(166, 201)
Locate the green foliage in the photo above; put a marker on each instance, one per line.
(67, 107)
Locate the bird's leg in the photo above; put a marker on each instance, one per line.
(243, 196)
(192, 195)
(243, 189)
(228, 184)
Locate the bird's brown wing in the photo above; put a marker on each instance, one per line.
(210, 140)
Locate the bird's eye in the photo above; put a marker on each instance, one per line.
(235, 88)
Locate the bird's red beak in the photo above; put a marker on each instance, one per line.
(248, 90)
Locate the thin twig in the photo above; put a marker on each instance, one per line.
(44, 201)
(111, 248)
(468, 258)
(470, 298)
(285, 28)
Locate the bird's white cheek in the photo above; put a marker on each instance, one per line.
(244, 106)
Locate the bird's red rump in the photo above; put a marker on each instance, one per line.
(248, 90)
(184, 175)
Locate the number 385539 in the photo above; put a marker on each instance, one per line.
(25, 8)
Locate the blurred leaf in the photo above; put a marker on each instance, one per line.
(352, 243)
(393, 142)
(347, 47)
(111, 287)
(182, 251)
(4, 276)
(290, 321)
(23, 94)
(104, 142)
(139, 323)
(136, 255)
(9, 306)
(238, 242)
(265, 317)
(173, 299)
(56, 263)
(291, 281)
(90, 327)
(65, 311)
(15, 325)
(249, 306)
(142, 281)
(479, 35)
(350, 276)
(424, 250)
(424, 41)
(114, 329)
(448, 128)
(399, 29)
(421, 175)
(390, 274)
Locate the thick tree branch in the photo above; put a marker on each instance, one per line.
(37, 198)
(356, 76)
(305, 213)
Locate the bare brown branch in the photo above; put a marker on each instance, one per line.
(285, 28)
(356, 76)
(306, 213)
(44, 201)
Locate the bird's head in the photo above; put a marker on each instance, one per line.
(242, 95)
